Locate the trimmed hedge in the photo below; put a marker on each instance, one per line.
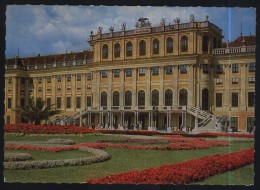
(9, 157)
(99, 156)
(61, 141)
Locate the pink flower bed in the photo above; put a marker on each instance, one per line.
(184, 172)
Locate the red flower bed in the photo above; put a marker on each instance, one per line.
(41, 148)
(226, 134)
(184, 172)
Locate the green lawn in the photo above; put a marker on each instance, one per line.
(124, 160)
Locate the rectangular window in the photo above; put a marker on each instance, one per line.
(58, 78)
(48, 88)
(78, 77)
(68, 87)
(89, 86)
(218, 99)
(128, 72)
(48, 101)
(31, 80)
(48, 79)
(39, 89)
(141, 71)
(8, 119)
(235, 68)
(168, 70)
(78, 87)
(89, 76)
(183, 69)
(10, 80)
(9, 102)
(219, 81)
(68, 102)
(22, 80)
(250, 124)
(59, 88)
(234, 99)
(68, 78)
(58, 103)
(31, 88)
(78, 102)
(251, 80)
(22, 90)
(39, 80)
(205, 69)
(155, 71)
(22, 103)
(234, 80)
(219, 69)
(104, 74)
(116, 73)
(251, 67)
(234, 123)
(88, 101)
(251, 99)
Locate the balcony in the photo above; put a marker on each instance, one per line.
(231, 50)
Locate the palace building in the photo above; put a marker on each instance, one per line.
(155, 77)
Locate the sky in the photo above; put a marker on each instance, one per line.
(55, 29)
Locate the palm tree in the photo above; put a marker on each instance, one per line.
(37, 111)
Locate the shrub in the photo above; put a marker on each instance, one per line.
(8, 157)
(61, 141)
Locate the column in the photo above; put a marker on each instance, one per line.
(190, 94)
(149, 126)
(109, 93)
(35, 88)
(26, 88)
(134, 90)
(53, 90)
(15, 93)
(73, 92)
(227, 90)
(198, 86)
(44, 88)
(122, 91)
(83, 91)
(243, 93)
(63, 92)
(96, 92)
(161, 92)
(148, 89)
(175, 86)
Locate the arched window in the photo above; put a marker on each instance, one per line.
(184, 44)
(168, 97)
(205, 41)
(129, 49)
(183, 97)
(155, 98)
(155, 46)
(105, 51)
(169, 44)
(103, 99)
(142, 48)
(116, 98)
(128, 98)
(141, 98)
(117, 50)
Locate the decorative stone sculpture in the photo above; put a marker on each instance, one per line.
(143, 22)
(100, 30)
(176, 20)
(192, 18)
(163, 21)
(111, 29)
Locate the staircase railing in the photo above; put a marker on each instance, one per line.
(205, 116)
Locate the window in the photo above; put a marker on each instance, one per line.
(218, 99)
(234, 80)
(9, 89)
(205, 69)
(129, 49)
(68, 102)
(78, 77)
(22, 80)
(48, 79)
(78, 102)
(89, 86)
(250, 124)
(59, 88)
(103, 99)
(9, 102)
(31, 80)
(183, 69)
(9, 80)
(39, 80)
(251, 99)
(155, 71)
(48, 88)
(39, 89)
(234, 123)
(117, 50)
(168, 97)
(104, 74)
(234, 99)
(235, 68)
(142, 48)
(79, 87)
(105, 51)
(68, 87)
(22, 90)
(205, 40)
(8, 119)
(68, 78)
(215, 43)
(116, 98)
(128, 72)
(155, 46)
(141, 98)
(184, 44)
(168, 70)
(88, 101)
(89, 76)
(22, 103)
(31, 89)
(219, 69)
(141, 71)
(169, 45)
(251, 80)
(219, 81)
(116, 73)
(251, 67)
(155, 98)
(183, 97)
(58, 103)
(58, 78)
(48, 101)
(128, 98)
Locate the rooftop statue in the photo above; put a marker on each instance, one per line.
(143, 22)
(162, 21)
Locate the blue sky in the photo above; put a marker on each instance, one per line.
(42, 29)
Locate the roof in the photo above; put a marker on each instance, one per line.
(240, 41)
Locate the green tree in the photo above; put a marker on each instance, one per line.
(37, 111)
